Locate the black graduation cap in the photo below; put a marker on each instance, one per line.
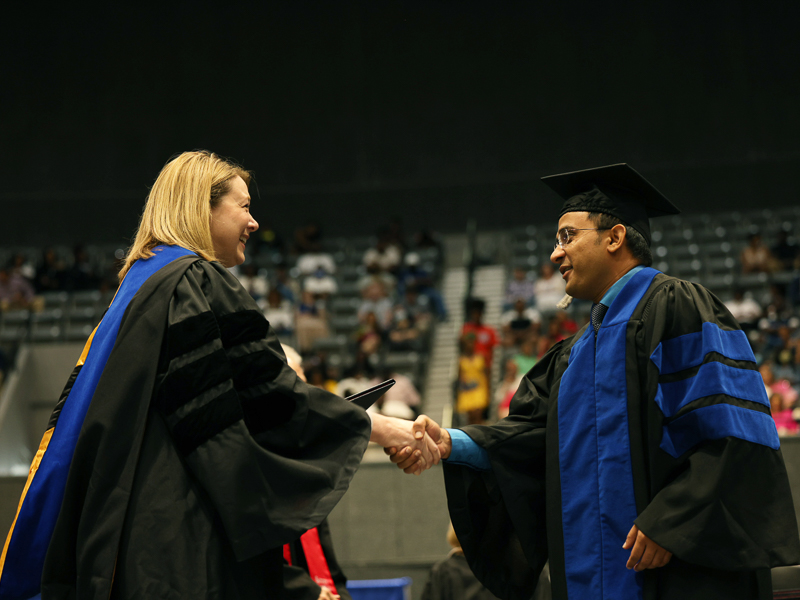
(617, 190)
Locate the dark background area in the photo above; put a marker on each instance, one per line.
(351, 112)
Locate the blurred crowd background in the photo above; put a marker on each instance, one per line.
(361, 310)
(398, 148)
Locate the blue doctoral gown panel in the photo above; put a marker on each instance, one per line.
(598, 504)
(29, 538)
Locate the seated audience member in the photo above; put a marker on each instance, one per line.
(403, 335)
(785, 251)
(283, 282)
(526, 357)
(311, 321)
(279, 312)
(560, 327)
(20, 264)
(81, 275)
(375, 299)
(519, 287)
(401, 399)
(384, 254)
(784, 421)
(309, 264)
(109, 276)
(16, 292)
(544, 344)
(316, 377)
(485, 336)
(775, 384)
(473, 381)
(744, 309)
(452, 579)
(756, 257)
(767, 376)
(369, 335)
(310, 568)
(566, 324)
(549, 290)
(785, 356)
(357, 379)
(519, 323)
(414, 275)
(51, 274)
(320, 283)
(778, 306)
(416, 307)
(332, 377)
(376, 274)
(255, 284)
(507, 388)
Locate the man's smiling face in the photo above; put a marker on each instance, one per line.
(584, 261)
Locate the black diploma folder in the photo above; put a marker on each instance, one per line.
(368, 397)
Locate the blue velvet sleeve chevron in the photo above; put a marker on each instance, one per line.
(709, 389)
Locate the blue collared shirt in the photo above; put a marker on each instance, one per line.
(615, 289)
(464, 450)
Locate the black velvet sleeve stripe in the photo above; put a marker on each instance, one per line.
(241, 327)
(206, 422)
(191, 333)
(188, 382)
(264, 412)
(60, 404)
(717, 399)
(710, 357)
(257, 367)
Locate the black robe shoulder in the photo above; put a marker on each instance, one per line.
(201, 454)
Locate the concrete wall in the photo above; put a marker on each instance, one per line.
(28, 398)
(390, 524)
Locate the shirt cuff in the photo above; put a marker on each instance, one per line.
(464, 451)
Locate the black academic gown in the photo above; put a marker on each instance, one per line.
(452, 579)
(296, 580)
(662, 421)
(201, 454)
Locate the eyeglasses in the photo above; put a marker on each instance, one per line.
(566, 235)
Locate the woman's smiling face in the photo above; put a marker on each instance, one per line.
(232, 224)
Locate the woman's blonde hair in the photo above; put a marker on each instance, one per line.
(178, 207)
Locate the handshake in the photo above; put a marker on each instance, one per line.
(413, 446)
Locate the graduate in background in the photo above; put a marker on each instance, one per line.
(310, 569)
(452, 579)
(639, 455)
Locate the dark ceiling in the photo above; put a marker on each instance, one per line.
(435, 110)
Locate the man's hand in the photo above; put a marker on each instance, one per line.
(646, 554)
(406, 459)
(419, 450)
(326, 594)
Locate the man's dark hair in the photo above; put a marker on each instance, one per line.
(635, 240)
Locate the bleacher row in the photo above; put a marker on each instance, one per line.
(71, 316)
(66, 316)
(702, 247)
